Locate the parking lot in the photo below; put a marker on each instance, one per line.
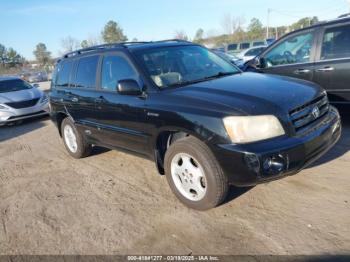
(116, 203)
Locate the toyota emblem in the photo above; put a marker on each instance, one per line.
(315, 112)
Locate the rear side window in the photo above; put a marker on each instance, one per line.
(232, 47)
(114, 69)
(244, 45)
(258, 43)
(86, 72)
(63, 73)
(336, 43)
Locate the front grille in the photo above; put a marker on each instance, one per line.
(23, 104)
(309, 113)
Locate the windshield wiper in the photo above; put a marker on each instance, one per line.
(188, 82)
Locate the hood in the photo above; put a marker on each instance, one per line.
(251, 93)
(21, 95)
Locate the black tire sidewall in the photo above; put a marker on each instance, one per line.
(81, 144)
(210, 167)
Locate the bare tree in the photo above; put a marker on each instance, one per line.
(181, 34)
(69, 44)
(227, 24)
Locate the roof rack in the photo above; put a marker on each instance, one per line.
(344, 15)
(114, 45)
(96, 47)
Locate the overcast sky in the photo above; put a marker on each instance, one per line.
(24, 23)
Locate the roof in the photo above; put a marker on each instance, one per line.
(128, 45)
(5, 78)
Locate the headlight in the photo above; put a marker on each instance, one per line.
(245, 129)
(4, 108)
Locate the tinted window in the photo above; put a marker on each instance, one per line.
(258, 43)
(336, 43)
(63, 72)
(295, 49)
(115, 68)
(232, 47)
(13, 85)
(244, 45)
(86, 72)
(174, 66)
(254, 52)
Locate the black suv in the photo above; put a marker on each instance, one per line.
(320, 53)
(205, 123)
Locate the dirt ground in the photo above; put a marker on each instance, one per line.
(115, 203)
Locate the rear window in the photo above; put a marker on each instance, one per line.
(13, 85)
(63, 73)
(86, 72)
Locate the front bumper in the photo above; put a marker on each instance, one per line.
(13, 114)
(250, 164)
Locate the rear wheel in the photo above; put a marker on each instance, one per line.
(194, 174)
(74, 142)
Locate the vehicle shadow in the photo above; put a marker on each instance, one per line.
(97, 150)
(11, 131)
(342, 146)
(235, 192)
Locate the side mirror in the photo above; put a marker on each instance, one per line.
(36, 85)
(129, 87)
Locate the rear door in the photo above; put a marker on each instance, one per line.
(332, 70)
(292, 56)
(83, 93)
(119, 116)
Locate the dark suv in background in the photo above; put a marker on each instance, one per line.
(205, 123)
(320, 53)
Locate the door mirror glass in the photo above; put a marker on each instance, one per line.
(129, 87)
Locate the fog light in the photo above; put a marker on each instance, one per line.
(252, 162)
(275, 164)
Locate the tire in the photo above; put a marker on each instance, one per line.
(202, 161)
(82, 149)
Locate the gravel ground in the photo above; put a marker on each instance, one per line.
(115, 203)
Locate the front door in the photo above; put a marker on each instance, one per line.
(119, 116)
(293, 56)
(332, 69)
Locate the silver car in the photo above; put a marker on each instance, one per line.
(19, 100)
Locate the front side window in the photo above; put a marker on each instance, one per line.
(114, 69)
(86, 72)
(13, 85)
(336, 43)
(63, 73)
(295, 49)
(181, 65)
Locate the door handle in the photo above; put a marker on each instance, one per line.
(301, 71)
(74, 99)
(100, 99)
(326, 69)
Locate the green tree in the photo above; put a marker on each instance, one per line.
(84, 44)
(43, 57)
(113, 33)
(12, 56)
(304, 22)
(2, 54)
(255, 29)
(199, 35)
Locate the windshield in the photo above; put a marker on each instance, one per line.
(13, 85)
(181, 65)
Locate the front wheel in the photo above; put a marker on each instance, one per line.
(194, 175)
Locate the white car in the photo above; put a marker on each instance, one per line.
(20, 100)
(250, 53)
